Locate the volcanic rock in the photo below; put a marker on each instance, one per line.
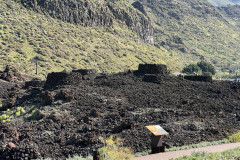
(47, 97)
(153, 68)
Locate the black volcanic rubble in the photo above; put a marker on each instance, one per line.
(76, 111)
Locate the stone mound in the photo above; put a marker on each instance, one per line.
(59, 78)
(199, 78)
(9, 75)
(153, 68)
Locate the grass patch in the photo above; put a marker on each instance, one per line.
(62, 46)
(11, 114)
(232, 154)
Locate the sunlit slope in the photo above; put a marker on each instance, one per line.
(195, 30)
(27, 35)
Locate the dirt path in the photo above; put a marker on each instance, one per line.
(176, 154)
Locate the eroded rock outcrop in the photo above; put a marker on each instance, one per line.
(93, 13)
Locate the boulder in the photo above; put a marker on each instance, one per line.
(47, 97)
(38, 115)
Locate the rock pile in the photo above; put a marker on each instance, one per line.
(9, 75)
(59, 78)
(153, 68)
(26, 152)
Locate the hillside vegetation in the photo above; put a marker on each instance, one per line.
(224, 2)
(195, 30)
(111, 36)
(58, 45)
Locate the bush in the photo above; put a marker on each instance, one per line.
(113, 150)
(190, 69)
(235, 137)
(18, 113)
(206, 67)
(22, 110)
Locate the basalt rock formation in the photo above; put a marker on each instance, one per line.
(92, 13)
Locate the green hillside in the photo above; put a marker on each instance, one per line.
(27, 35)
(220, 2)
(224, 2)
(112, 36)
(195, 30)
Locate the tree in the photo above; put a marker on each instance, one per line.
(190, 69)
(206, 68)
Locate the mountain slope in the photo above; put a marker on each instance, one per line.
(224, 2)
(95, 13)
(58, 45)
(195, 30)
(113, 35)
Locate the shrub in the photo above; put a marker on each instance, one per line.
(18, 113)
(19, 108)
(22, 110)
(206, 67)
(235, 137)
(4, 116)
(190, 69)
(113, 149)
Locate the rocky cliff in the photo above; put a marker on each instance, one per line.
(95, 13)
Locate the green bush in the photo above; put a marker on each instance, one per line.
(3, 117)
(18, 113)
(191, 68)
(114, 150)
(22, 110)
(235, 137)
(206, 67)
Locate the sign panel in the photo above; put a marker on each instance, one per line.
(157, 130)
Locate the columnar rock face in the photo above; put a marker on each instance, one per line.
(137, 21)
(74, 11)
(93, 13)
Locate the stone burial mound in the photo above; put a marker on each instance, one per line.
(74, 109)
(59, 78)
(74, 78)
(153, 69)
